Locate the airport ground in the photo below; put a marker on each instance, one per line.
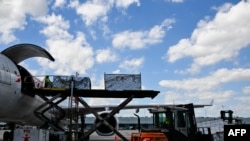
(95, 137)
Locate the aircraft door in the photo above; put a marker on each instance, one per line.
(4, 72)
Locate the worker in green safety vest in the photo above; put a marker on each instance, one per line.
(47, 82)
(167, 122)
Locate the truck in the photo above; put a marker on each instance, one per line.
(173, 123)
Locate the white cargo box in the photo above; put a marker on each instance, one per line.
(83, 83)
(31, 135)
(61, 81)
(122, 81)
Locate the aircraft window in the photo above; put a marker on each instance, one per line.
(159, 119)
(181, 119)
(162, 117)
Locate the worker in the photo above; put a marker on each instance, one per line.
(47, 82)
(167, 121)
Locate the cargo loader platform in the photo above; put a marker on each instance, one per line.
(78, 92)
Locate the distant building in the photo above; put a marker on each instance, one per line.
(131, 122)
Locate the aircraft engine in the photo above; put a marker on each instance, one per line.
(104, 130)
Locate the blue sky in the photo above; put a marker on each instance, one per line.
(189, 50)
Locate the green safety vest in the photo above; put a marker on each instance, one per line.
(47, 80)
(167, 121)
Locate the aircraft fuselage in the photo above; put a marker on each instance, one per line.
(18, 103)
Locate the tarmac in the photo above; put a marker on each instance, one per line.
(96, 137)
(125, 133)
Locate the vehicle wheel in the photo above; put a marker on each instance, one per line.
(6, 136)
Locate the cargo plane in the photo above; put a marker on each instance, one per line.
(17, 97)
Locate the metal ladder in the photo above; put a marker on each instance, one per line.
(73, 118)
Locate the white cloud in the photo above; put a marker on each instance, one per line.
(241, 107)
(57, 27)
(72, 53)
(215, 40)
(197, 97)
(210, 82)
(133, 64)
(94, 10)
(218, 96)
(126, 3)
(71, 56)
(35, 8)
(13, 15)
(116, 71)
(246, 90)
(201, 97)
(174, 98)
(59, 3)
(97, 82)
(105, 55)
(141, 39)
(201, 90)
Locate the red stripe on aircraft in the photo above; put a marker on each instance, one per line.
(18, 78)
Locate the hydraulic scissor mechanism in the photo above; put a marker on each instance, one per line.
(103, 120)
(50, 106)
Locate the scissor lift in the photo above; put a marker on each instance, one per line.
(51, 105)
(79, 94)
